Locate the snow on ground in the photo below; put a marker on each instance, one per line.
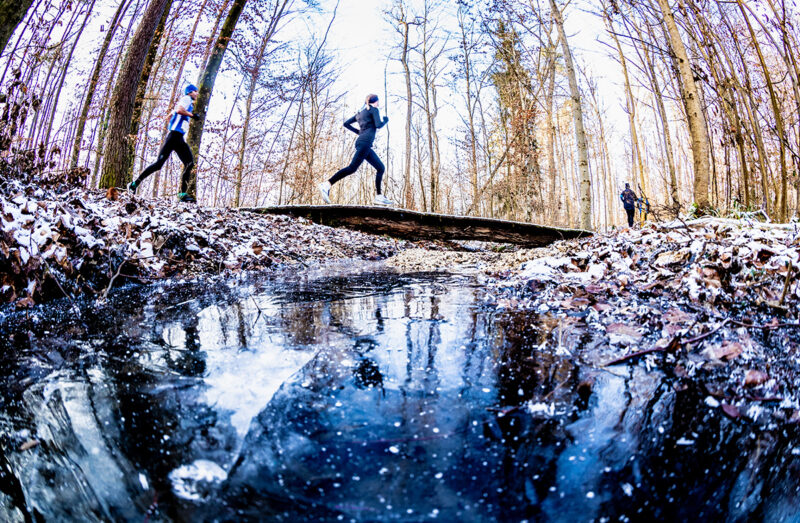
(77, 242)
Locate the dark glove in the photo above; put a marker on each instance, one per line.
(195, 116)
(385, 119)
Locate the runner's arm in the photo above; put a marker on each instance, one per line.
(349, 124)
(181, 110)
(376, 117)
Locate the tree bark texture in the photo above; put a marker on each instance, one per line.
(206, 87)
(124, 97)
(93, 80)
(403, 223)
(141, 90)
(12, 12)
(577, 117)
(694, 110)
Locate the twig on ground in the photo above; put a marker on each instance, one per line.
(635, 355)
(111, 282)
(68, 295)
(707, 334)
(765, 327)
(786, 284)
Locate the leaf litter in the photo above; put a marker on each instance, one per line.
(81, 242)
(715, 302)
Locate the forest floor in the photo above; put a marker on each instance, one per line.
(713, 299)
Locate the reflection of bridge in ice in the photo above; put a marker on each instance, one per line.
(415, 225)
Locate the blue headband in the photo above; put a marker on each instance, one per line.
(373, 98)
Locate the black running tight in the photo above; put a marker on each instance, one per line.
(363, 152)
(174, 142)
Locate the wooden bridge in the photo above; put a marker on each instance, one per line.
(413, 225)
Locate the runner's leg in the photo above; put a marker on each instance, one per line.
(358, 158)
(163, 154)
(185, 154)
(372, 158)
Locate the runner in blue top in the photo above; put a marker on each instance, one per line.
(178, 125)
(369, 121)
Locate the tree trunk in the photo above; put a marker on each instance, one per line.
(64, 72)
(93, 80)
(550, 131)
(409, 106)
(206, 87)
(237, 201)
(630, 103)
(213, 35)
(23, 32)
(776, 109)
(466, 50)
(122, 101)
(177, 84)
(577, 117)
(142, 90)
(694, 111)
(11, 14)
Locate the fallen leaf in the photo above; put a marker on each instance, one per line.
(594, 288)
(755, 377)
(575, 303)
(680, 371)
(112, 194)
(602, 307)
(728, 351)
(730, 410)
(678, 316)
(622, 333)
(28, 445)
(671, 258)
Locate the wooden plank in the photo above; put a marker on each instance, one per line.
(413, 225)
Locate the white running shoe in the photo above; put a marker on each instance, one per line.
(325, 191)
(383, 200)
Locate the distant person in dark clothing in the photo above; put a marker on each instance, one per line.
(178, 125)
(628, 198)
(369, 121)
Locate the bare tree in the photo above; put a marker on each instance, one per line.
(124, 97)
(206, 86)
(94, 79)
(694, 110)
(577, 118)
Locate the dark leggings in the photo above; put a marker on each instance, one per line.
(363, 152)
(174, 142)
(630, 216)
